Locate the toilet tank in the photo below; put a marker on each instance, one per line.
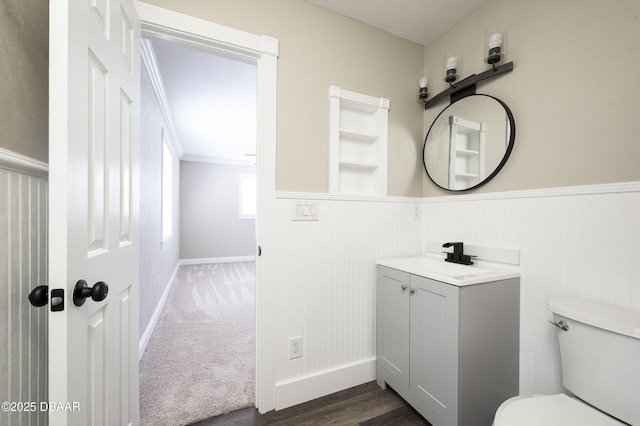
(600, 355)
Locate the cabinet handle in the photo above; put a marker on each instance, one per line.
(413, 290)
(404, 287)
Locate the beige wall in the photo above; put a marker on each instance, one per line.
(24, 53)
(574, 89)
(317, 49)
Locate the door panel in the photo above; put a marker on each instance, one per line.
(434, 347)
(392, 321)
(429, 311)
(94, 103)
(126, 126)
(96, 366)
(98, 161)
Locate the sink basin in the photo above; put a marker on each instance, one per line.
(447, 272)
(449, 268)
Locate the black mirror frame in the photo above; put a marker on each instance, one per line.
(512, 138)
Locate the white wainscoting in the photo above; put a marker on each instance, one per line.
(23, 266)
(579, 242)
(576, 241)
(326, 289)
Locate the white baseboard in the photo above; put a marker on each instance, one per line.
(315, 386)
(206, 260)
(148, 331)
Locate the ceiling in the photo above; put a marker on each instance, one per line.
(211, 96)
(416, 20)
(212, 101)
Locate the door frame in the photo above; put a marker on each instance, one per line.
(265, 51)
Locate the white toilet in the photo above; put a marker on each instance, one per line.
(600, 356)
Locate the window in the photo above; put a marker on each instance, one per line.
(247, 197)
(167, 190)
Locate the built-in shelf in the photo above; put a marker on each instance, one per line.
(358, 135)
(467, 152)
(467, 175)
(358, 143)
(361, 165)
(467, 156)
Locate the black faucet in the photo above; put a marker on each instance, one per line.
(457, 256)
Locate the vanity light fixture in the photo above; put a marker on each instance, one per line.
(467, 86)
(495, 41)
(452, 70)
(424, 91)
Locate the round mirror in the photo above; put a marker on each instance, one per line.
(469, 142)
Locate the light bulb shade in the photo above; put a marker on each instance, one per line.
(451, 73)
(495, 40)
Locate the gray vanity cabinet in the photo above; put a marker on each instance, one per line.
(392, 324)
(451, 352)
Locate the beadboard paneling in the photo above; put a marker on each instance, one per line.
(326, 281)
(577, 242)
(23, 265)
(580, 243)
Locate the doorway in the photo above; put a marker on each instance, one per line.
(201, 103)
(264, 49)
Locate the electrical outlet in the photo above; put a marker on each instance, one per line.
(295, 347)
(416, 212)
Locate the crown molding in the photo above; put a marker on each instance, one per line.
(221, 161)
(151, 65)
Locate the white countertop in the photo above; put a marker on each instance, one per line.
(447, 272)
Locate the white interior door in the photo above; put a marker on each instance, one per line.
(93, 208)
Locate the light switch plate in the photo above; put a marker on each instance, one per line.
(306, 211)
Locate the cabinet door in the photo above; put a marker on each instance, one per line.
(392, 323)
(434, 348)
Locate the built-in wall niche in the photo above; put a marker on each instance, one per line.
(358, 143)
(467, 156)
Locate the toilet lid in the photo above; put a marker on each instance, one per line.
(550, 410)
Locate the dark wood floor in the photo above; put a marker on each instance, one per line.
(364, 405)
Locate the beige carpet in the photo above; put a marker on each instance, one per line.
(200, 361)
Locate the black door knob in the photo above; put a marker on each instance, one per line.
(39, 296)
(81, 291)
